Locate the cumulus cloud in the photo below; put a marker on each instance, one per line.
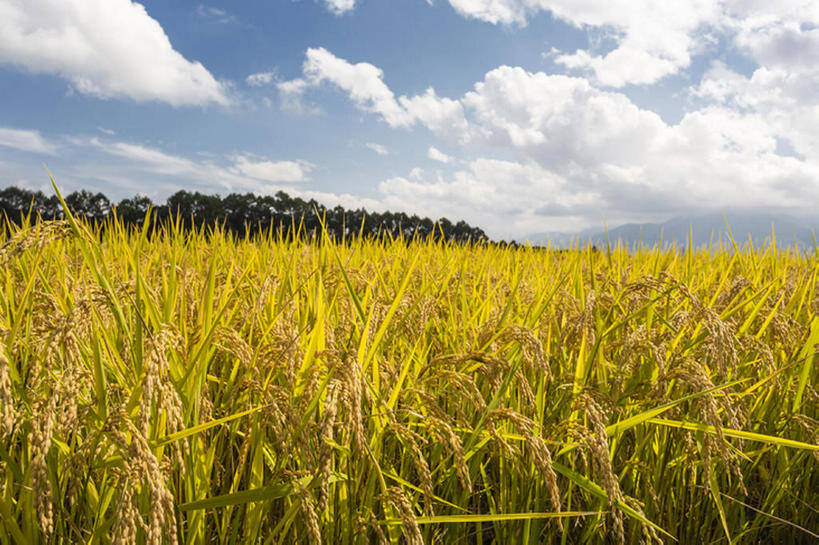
(437, 155)
(26, 140)
(364, 84)
(378, 148)
(339, 6)
(601, 154)
(784, 89)
(496, 11)
(561, 120)
(347, 200)
(105, 48)
(490, 193)
(261, 78)
(653, 39)
(552, 151)
(787, 101)
(584, 153)
(273, 171)
(635, 162)
(780, 43)
(710, 164)
(291, 94)
(443, 116)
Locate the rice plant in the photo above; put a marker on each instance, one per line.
(171, 386)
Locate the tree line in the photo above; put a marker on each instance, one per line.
(240, 214)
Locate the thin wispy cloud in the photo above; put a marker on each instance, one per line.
(217, 15)
(378, 148)
(26, 140)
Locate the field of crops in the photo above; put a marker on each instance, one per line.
(194, 388)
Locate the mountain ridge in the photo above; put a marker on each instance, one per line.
(707, 230)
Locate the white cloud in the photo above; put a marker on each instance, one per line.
(784, 89)
(495, 11)
(629, 157)
(26, 140)
(105, 48)
(653, 39)
(364, 84)
(243, 172)
(502, 197)
(625, 65)
(215, 14)
(291, 93)
(788, 101)
(339, 6)
(443, 116)
(780, 43)
(560, 119)
(261, 78)
(154, 159)
(612, 158)
(437, 155)
(122, 169)
(273, 171)
(378, 148)
(713, 160)
(347, 200)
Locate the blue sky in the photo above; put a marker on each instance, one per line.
(519, 116)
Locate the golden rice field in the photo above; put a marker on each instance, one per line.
(194, 388)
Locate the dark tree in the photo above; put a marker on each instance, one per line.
(95, 206)
(16, 202)
(244, 215)
(133, 210)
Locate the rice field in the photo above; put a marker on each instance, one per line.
(163, 386)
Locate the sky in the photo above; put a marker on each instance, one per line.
(518, 116)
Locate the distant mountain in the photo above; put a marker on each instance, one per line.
(706, 229)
